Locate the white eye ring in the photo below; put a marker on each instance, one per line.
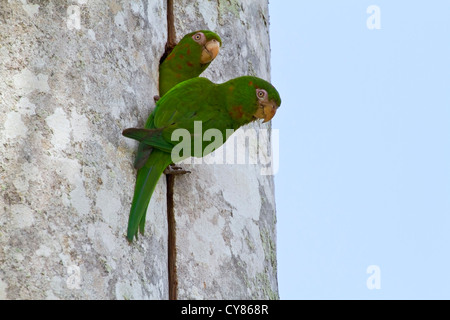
(261, 93)
(197, 36)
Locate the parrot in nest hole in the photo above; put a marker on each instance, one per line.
(229, 105)
(188, 59)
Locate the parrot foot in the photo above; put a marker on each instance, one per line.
(175, 170)
(156, 98)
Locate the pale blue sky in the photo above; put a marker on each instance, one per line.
(364, 126)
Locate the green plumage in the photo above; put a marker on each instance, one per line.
(184, 62)
(224, 106)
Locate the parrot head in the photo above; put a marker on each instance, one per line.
(204, 44)
(209, 43)
(188, 59)
(268, 101)
(252, 98)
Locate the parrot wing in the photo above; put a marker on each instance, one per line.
(197, 99)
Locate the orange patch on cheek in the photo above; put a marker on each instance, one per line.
(190, 64)
(250, 83)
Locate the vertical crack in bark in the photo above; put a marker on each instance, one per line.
(171, 35)
(170, 179)
(173, 281)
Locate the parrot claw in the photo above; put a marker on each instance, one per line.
(175, 170)
(156, 98)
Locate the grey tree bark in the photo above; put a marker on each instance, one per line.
(73, 75)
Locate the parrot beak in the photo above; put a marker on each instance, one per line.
(210, 51)
(266, 111)
(269, 111)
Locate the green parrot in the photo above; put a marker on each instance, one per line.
(188, 59)
(229, 105)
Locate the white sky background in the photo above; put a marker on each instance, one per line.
(364, 129)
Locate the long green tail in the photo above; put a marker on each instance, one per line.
(147, 178)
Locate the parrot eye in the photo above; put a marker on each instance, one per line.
(261, 93)
(197, 36)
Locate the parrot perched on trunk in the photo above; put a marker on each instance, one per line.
(188, 59)
(229, 105)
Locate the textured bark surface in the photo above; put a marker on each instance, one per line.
(72, 78)
(73, 75)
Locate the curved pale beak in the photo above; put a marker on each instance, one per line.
(266, 111)
(210, 51)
